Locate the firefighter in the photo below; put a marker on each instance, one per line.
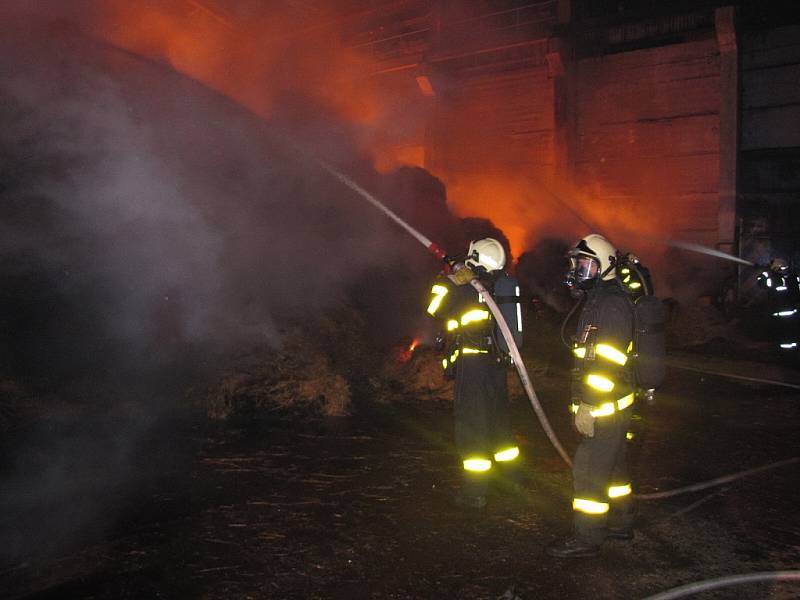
(783, 305)
(477, 361)
(602, 394)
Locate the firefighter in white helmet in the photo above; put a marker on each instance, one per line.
(478, 360)
(602, 395)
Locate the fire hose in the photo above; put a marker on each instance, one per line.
(715, 482)
(475, 283)
(514, 351)
(521, 370)
(712, 584)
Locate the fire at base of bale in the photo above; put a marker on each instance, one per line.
(413, 375)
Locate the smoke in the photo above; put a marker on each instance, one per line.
(151, 221)
(149, 226)
(195, 222)
(152, 212)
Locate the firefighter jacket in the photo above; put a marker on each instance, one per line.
(469, 327)
(783, 290)
(602, 375)
(783, 305)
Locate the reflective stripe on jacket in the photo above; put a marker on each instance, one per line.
(602, 347)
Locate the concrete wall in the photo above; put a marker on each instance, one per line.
(689, 135)
(647, 134)
(771, 89)
(495, 122)
(770, 170)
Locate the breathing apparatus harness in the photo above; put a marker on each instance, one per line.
(647, 312)
(578, 289)
(629, 270)
(495, 284)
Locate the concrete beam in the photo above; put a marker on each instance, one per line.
(729, 119)
(559, 70)
(564, 11)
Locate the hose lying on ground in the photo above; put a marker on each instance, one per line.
(714, 482)
(711, 584)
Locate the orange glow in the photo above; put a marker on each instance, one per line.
(251, 62)
(425, 86)
(404, 355)
(255, 62)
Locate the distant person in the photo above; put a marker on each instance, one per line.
(602, 393)
(477, 357)
(782, 285)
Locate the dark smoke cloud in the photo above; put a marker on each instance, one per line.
(148, 223)
(145, 211)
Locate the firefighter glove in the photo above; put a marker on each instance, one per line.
(462, 275)
(584, 421)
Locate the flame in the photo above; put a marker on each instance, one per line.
(256, 61)
(405, 354)
(252, 62)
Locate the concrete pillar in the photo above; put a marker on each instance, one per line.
(561, 73)
(728, 126)
(557, 67)
(564, 11)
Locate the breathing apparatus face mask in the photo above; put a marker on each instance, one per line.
(582, 273)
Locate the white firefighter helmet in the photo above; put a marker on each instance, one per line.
(593, 257)
(487, 253)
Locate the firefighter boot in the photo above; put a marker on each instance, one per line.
(621, 519)
(472, 494)
(509, 478)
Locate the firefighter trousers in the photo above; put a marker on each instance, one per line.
(602, 489)
(482, 418)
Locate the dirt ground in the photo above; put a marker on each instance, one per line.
(358, 507)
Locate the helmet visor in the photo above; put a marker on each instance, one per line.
(586, 268)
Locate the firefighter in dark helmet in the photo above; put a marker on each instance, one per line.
(782, 286)
(602, 394)
(478, 361)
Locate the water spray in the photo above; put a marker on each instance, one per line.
(429, 245)
(692, 247)
(495, 310)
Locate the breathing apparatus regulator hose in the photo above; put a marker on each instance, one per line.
(566, 320)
